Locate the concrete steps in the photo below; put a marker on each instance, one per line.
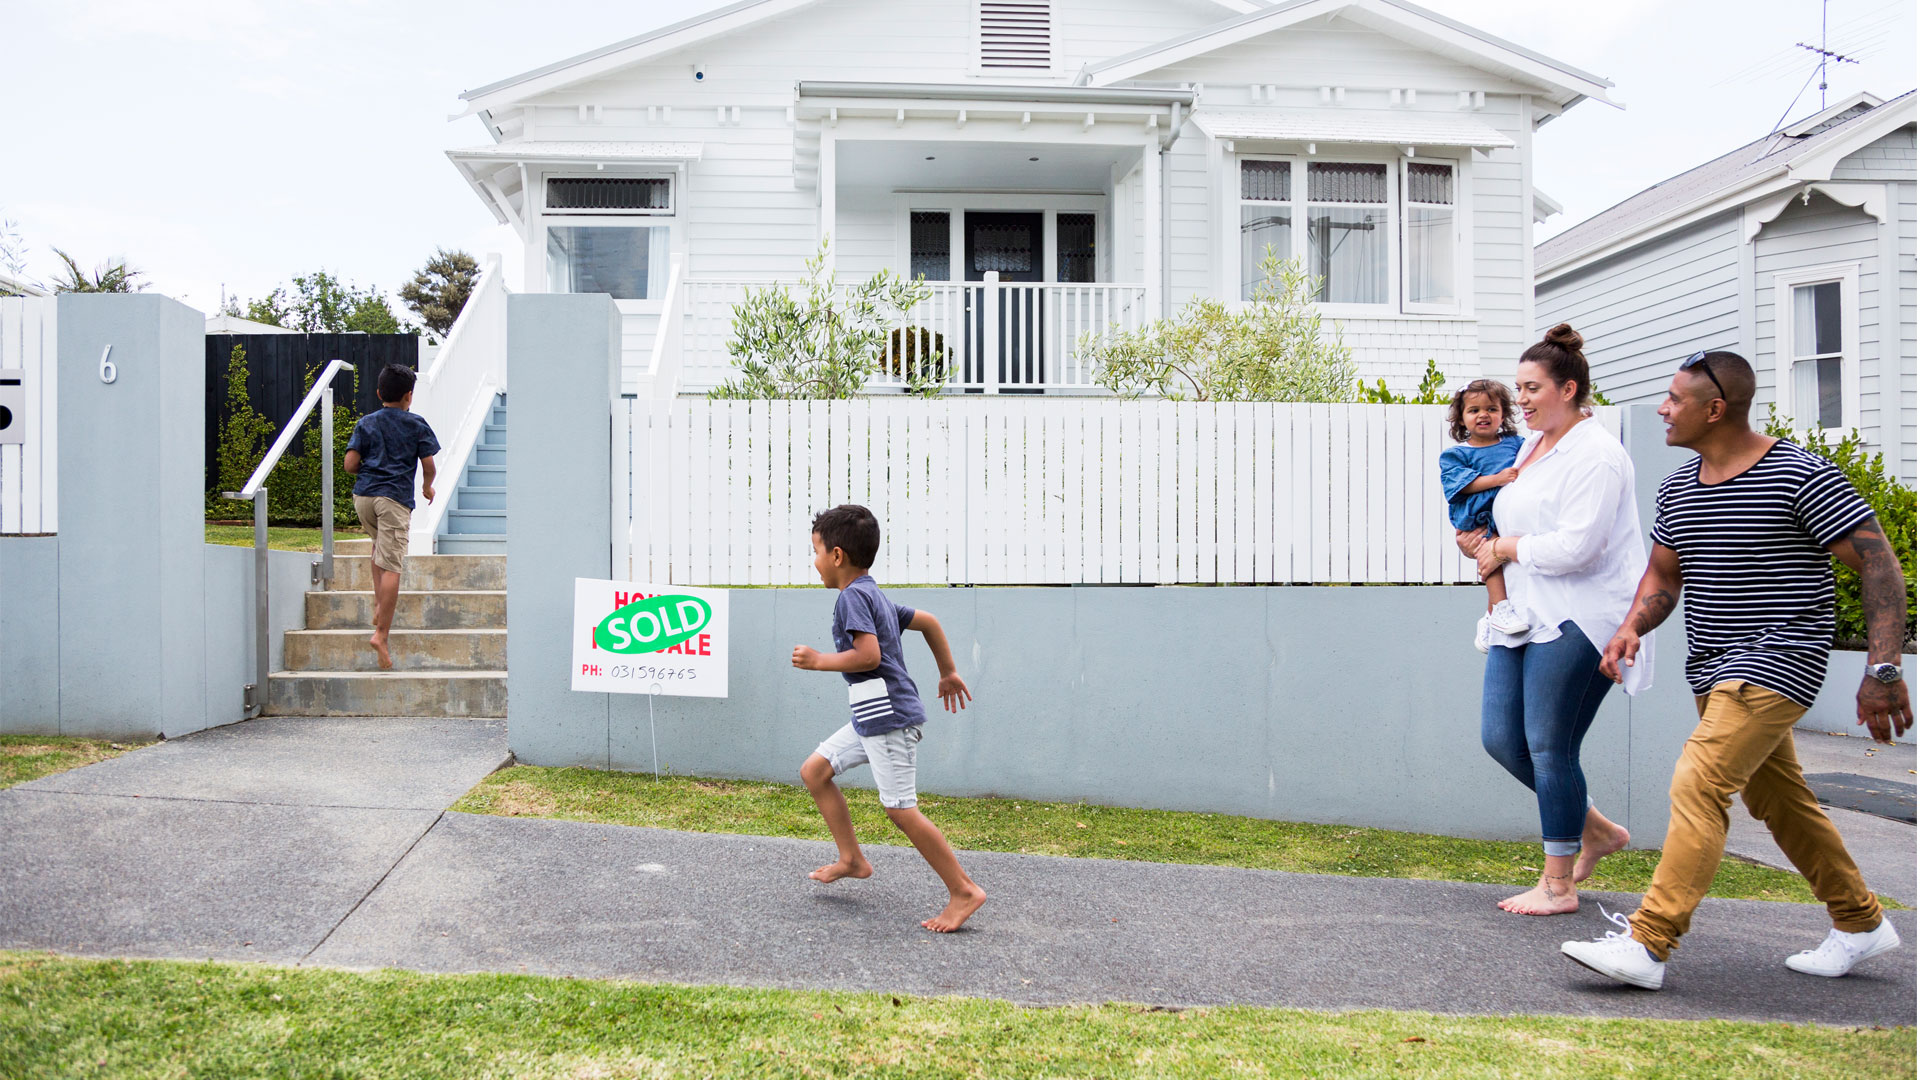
(449, 641)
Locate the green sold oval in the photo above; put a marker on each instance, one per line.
(652, 624)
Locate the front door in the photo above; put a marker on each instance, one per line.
(1014, 245)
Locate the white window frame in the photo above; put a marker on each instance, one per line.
(611, 219)
(1395, 306)
(1462, 264)
(1296, 176)
(1848, 275)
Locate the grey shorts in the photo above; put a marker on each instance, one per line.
(891, 755)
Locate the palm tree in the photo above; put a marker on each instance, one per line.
(108, 277)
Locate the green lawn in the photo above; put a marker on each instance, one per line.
(279, 537)
(66, 1018)
(30, 757)
(1075, 829)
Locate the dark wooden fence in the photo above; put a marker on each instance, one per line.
(277, 372)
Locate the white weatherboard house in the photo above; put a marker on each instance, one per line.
(1052, 167)
(1795, 251)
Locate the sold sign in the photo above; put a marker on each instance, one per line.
(652, 624)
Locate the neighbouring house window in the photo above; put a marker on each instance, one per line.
(931, 245)
(1073, 238)
(1347, 230)
(1016, 35)
(625, 263)
(1266, 217)
(1818, 354)
(610, 195)
(1429, 227)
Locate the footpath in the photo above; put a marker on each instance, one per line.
(327, 842)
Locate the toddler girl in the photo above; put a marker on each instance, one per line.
(1471, 474)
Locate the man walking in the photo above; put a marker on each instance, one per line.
(1747, 529)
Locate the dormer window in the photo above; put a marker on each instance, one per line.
(1016, 35)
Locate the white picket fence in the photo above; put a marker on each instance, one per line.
(1040, 491)
(29, 473)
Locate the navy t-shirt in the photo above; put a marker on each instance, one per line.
(863, 608)
(390, 441)
(1463, 464)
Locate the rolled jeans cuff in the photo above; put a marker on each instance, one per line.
(1561, 847)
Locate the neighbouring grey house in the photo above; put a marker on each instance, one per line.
(1795, 250)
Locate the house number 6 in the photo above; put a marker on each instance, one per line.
(108, 372)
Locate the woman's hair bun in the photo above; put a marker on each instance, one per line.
(1565, 336)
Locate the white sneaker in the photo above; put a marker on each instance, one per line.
(1841, 951)
(1619, 957)
(1483, 634)
(1507, 619)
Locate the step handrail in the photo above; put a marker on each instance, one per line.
(255, 491)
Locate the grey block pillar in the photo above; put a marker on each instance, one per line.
(29, 635)
(132, 569)
(1663, 716)
(563, 374)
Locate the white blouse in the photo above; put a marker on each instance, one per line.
(1581, 555)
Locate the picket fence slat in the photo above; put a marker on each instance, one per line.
(1018, 490)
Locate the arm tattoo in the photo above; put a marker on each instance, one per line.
(1883, 589)
(1652, 610)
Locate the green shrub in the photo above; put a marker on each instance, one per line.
(293, 488)
(1432, 390)
(825, 343)
(1893, 504)
(1272, 349)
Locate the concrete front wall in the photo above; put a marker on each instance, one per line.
(29, 635)
(131, 569)
(563, 361)
(1357, 705)
(1835, 710)
(1642, 310)
(228, 631)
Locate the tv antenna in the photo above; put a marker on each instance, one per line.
(1825, 54)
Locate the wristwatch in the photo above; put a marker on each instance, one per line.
(1886, 673)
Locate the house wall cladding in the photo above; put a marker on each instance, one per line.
(278, 366)
(749, 208)
(1642, 310)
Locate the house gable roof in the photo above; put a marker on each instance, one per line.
(1397, 18)
(639, 49)
(1777, 161)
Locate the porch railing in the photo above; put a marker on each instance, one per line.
(455, 394)
(988, 336)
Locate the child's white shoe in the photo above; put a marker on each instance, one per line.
(1837, 955)
(1506, 619)
(1482, 634)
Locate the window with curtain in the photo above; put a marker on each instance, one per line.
(1428, 250)
(626, 263)
(610, 195)
(1817, 354)
(1266, 217)
(1348, 216)
(930, 245)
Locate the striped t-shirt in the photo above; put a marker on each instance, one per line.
(1757, 574)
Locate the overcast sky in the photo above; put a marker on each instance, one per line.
(241, 142)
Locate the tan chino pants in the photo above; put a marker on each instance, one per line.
(1744, 744)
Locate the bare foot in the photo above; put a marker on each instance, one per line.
(958, 910)
(838, 869)
(1540, 900)
(379, 646)
(1597, 844)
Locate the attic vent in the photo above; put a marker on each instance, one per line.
(609, 195)
(1015, 35)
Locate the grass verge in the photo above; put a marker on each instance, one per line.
(30, 757)
(62, 1017)
(1074, 829)
(279, 537)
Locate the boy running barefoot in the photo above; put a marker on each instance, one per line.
(381, 454)
(885, 703)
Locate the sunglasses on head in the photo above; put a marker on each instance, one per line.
(1699, 360)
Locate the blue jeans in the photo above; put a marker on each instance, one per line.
(1536, 705)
